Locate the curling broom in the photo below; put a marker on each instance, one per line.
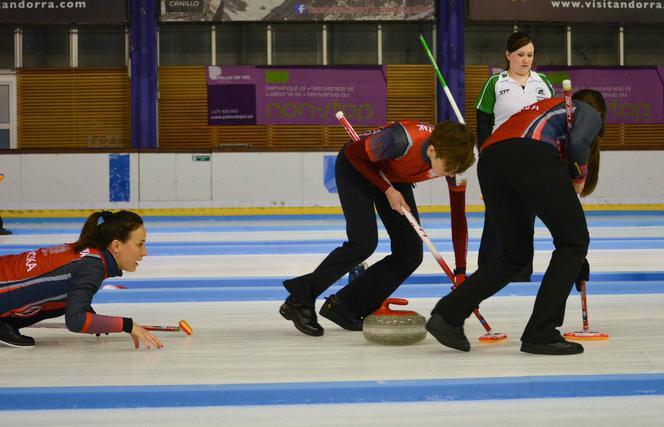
(586, 334)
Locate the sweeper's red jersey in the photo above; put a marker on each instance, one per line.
(397, 153)
(546, 122)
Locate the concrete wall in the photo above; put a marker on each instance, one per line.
(177, 180)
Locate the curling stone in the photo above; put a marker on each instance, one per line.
(394, 327)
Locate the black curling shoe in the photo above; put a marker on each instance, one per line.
(11, 337)
(336, 311)
(447, 334)
(303, 317)
(558, 348)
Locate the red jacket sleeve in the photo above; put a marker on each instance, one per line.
(457, 190)
(358, 157)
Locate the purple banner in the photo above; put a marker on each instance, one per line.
(244, 95)
(633, 95)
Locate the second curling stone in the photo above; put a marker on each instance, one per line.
(394, 327)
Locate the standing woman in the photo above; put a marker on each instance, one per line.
(524, 167)
(503, 95)
(53, 281)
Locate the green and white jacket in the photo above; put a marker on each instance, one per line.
(502, 96)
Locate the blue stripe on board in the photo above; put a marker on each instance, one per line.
(118, 178)
(437, 390)
(269, 247)
(188, 291)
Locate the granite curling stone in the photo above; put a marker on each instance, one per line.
(394, 327)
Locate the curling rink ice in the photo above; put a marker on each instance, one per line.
(245, 365)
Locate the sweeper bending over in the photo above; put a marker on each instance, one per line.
(532, 164)
(378, 171)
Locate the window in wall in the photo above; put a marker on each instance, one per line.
(101, 46)
(549, 42)
(46, 47)
(241, 44)
(352, 43)
(184, 45)
(6, 47)
(595, 45)
(401, 43)
(485, 43)
(297, 44)
(644, 45)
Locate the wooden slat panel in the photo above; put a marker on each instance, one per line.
(476, 76)
(73, 108)
(411, 93)
(183, 114)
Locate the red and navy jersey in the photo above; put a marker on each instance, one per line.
(57, 278)
(546, 121)
(397, 152)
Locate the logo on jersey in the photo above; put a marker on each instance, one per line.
(503, 92)
(31, 260)
(541, 94)
(424, 128)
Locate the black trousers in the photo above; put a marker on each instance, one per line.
(367, 292)
(491, 248)
(517, 177)
(23, 322)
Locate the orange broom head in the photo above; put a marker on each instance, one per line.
(186, 327)
(586, 336)
(493, 338)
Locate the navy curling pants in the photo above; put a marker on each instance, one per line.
(517, 177)
(368, 291)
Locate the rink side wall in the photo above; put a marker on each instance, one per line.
(237, 180)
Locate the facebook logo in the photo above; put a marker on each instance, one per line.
(299, 8)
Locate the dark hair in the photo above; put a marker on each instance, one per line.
(595, 100)
(516, 41)
(101, 228)
(455, 143)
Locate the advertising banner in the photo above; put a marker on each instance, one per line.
(297, 10)
(601, 11)
(244, 95)
(63, 12)
(633, 95)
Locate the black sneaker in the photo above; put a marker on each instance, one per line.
(4, 232)
(11, 337)
(557, 348)
(303, 317)
(336, 311)
(446, 334)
